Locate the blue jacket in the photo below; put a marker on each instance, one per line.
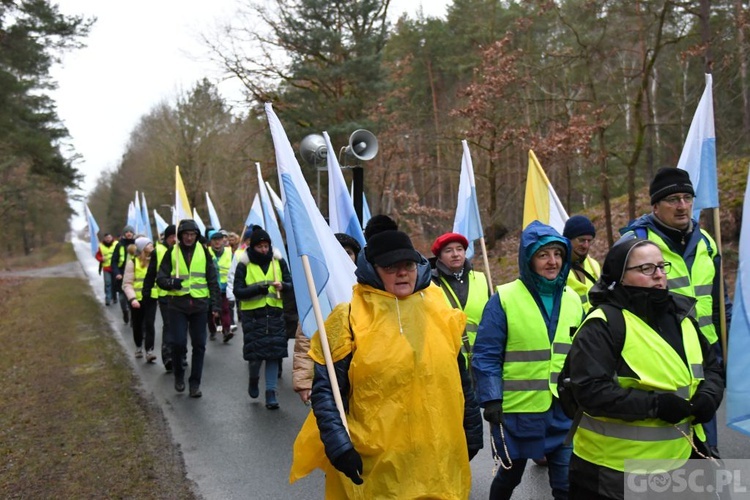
(527, 431)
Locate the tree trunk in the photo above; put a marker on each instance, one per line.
(740, 17)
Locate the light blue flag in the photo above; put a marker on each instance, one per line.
(93, 231)
(145, 219)
(738, 350)
(277, 204)
(698, 156)
(212, 215)
(308, 234)
(467, 221)
(255, 216)
(269, 219)
(366, 213)
(341, 214)
(161, 224)
(132, 217)
(199, 221)
(139, 229)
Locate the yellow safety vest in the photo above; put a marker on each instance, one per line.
(223, 264)
(582, 289)
(107, 252)
(532, 362)
(696, 282)
(475, 302)
(255, 274)
(161, 250)
(608, 442)
(194, 281)
(139, 274)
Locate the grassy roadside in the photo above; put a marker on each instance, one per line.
(74, 423)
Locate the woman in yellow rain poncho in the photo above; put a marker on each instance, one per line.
(414, 423)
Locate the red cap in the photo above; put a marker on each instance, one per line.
(446, 238)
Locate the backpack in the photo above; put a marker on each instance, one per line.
(564, 390)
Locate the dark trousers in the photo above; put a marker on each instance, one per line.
(142, 321)
(166, 348)
(180, 325)
(558, 461)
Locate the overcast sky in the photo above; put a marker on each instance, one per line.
(140, 53)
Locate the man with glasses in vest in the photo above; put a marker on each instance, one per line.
(188, 274)
(584, 270)
(694, 255)
(463, 287)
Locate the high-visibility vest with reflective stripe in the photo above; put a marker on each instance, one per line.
(475, 302)
(121, 257)
(696, 282)
(139, 274)
(223, 264)
(533, 363)
(609, 441)
(582, 289)
(161, 249)
(107, 252)
(255, 274)
(194, 281)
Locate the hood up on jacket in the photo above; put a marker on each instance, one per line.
(533, 237)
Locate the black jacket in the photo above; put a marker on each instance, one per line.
(185, 303)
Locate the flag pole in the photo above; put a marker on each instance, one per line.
(722, 305)
(176, 264)
(486, 262)
(324, 340)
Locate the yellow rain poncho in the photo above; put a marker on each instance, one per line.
(406, 404)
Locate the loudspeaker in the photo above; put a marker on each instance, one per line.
(313, 149)
(363, 145)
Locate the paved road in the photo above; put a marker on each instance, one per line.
(234, 448)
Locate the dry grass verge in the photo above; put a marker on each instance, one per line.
(74, 423)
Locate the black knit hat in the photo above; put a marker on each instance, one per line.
(389, 247)
(170, 230)
(669, 180)
(347, 241)
(378, 223)
(578, 225)
(259, 235)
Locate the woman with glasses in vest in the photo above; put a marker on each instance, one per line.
(644, 380)
(260, 278)
(521, 344)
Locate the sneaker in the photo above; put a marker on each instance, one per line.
(139, 352)
(232, 329)
(228, 336)
(179, 384)
(150, 356)
(271, 402)
(195, 391)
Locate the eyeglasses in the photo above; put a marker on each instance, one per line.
(650, 269)
(408, 265)
(675, 200)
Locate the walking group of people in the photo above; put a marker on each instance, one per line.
(425, 345)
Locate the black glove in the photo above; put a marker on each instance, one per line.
(672, 408)
(702, 408)
(473, 453)
(493, 412)
(350, 463)
(263, 287)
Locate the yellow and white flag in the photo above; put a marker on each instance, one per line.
(541, 202)
(181, 204)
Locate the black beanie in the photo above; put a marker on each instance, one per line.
(578, 225)
(170, 230)
(389, 247)
(259, 235)
(669, 180)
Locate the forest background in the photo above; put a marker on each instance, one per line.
(602, 91)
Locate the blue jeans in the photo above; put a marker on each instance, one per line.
(108, 295)
(271, 373)
(180, 324)
(558, 461)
